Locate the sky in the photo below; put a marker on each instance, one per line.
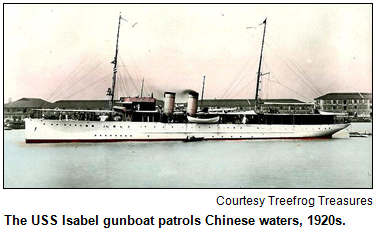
(64, 52)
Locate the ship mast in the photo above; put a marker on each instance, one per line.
(111, 92)
(259, 68)
(142, 86)
(202, 94)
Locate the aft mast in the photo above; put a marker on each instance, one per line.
(259, 68)
(111, 91)
(202, 94)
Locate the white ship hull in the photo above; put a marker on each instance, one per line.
(49, 131)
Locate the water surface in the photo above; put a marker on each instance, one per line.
(319, 163)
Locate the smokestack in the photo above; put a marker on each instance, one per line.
(169, 103)
(192, 103)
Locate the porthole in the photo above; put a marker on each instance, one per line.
(100, 135)
(44, 123)
(114, 126)
(154, 126)
(145, 126)
(65, 125)
(130, 135)
(70, 125)
(125, 135)
(75, 125)
(115, 135)
(52, 125)
(95, 135)
(57, 124)
(80, 125)
(105, 135)
(87, 125)
(128, 126)
(121, 126)
(110, 135)
(92, 125)
(121, 135)
(148, 135)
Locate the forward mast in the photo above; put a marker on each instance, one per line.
(111, 91)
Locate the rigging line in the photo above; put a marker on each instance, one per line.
(75, 73)
(223, 101)
(122, 84)
(228, 95)
(300, 69)
(138, 81)
(147, 88)
(244, 88)
(270, 70)
(250, 56)
(138, 77)
(309, 99)
(78, 80)
(136, 74)
(269, 92)
(272, 73)
(136, 70)
(265, 90)
(130, 77)
(89, 85)
(297, 67)
(129, 90)
(292, 70)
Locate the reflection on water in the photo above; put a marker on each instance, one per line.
(320, 163)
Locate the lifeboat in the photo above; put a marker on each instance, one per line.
(203, 120)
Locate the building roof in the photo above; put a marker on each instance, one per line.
(242, 102)
(81, 104)
(345, 95)
(28, 103)
(85, 104)
(137, 100)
